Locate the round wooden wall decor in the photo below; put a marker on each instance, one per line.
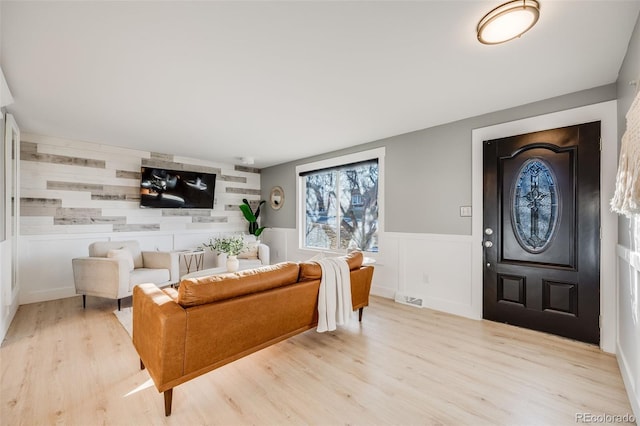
(276, 197)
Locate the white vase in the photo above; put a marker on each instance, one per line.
(232, 263)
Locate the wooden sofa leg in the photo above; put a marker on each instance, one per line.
(360, 314)
(168, 396)
(119, 303)
(142, 367)
(84, 301)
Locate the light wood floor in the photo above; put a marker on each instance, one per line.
(402, 366)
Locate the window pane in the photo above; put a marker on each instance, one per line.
(359, 207)
(535, 206)
(341, 207)
(321, 221)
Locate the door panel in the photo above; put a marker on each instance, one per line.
(542, 231)
(559, 251)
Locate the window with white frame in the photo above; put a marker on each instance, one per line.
(339, 206)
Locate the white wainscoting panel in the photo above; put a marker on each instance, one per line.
(283, 245)
(387, 268)
(8, 298)
(437, 269)
(403, 264)
(628, 333)
(45, 271)
(276, 239)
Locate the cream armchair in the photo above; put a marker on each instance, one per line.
(113, 268)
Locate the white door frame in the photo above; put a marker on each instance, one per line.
(606, 113)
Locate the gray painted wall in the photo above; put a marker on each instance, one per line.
(427, 172)
(629, 71)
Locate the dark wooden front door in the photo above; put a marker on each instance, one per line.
(542, 231)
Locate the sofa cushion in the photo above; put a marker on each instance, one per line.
(250, 251)
(101, 248)
(199, 291)
(145, 275)
(311, 270)
(249, 238)
(171, 292)
(123, 254)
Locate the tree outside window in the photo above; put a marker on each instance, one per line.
(342, 207)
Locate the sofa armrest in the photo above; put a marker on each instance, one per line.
(159, 330)
(101, 276)
(361, 286)
(264, 254)
(163, 260)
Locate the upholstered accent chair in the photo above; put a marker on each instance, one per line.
(113, 268)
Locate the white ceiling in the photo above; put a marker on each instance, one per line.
(280, 81)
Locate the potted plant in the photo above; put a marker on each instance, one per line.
(252, 216)
(230, 246)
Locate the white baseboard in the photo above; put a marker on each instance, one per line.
(627, 378)
(385, 292)
(45, 295)
(460, 309)
(6, 321)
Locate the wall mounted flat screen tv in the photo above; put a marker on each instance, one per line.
(176, 189)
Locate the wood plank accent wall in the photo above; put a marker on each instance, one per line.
(80, 187)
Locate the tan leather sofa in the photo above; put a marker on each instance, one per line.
(254, 309)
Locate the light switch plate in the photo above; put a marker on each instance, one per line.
(465, 211)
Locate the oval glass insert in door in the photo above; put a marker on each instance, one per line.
(534, 205)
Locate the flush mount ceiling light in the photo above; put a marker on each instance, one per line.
(508, 21)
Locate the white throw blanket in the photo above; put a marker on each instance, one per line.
(334, 297)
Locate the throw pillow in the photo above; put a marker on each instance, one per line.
(122, 253)
(250, 251)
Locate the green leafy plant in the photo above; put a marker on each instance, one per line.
(231, 245)
(252, 216)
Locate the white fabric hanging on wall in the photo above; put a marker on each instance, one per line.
(626, 200)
